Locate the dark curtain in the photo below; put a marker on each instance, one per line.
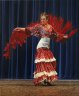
(20, 13)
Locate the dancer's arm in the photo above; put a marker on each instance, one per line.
(59, 37)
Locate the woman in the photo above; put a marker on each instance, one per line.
(45, 61)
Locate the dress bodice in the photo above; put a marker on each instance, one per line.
(41, 31)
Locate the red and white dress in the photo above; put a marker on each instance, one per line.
(45, 62)
(44, 59)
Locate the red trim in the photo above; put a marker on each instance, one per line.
(42, 78)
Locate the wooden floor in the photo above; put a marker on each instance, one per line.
(27, 88)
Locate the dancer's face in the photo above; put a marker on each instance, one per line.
(43, 20)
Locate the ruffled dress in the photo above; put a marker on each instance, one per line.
(45, 61)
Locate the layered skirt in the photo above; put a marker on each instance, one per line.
(45, 66)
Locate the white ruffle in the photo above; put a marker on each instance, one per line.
(44, 60)
(44, 42)
(52, 73)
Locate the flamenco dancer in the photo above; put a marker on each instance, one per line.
(49, 28)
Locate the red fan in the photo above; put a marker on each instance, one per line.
(61, 29)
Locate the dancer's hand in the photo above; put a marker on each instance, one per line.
(65, 36)
(19, 29)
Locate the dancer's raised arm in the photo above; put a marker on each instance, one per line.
(19, 37)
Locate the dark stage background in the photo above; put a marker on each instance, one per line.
(20, 13)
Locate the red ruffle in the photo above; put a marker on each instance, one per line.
(43, 53)
(47, 67)
(49, 78)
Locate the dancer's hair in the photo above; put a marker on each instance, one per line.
(44, 14)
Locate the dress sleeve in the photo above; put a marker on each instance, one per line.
(60, 37)
(18, 37)
(34, 30)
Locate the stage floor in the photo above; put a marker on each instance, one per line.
(26, 88)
